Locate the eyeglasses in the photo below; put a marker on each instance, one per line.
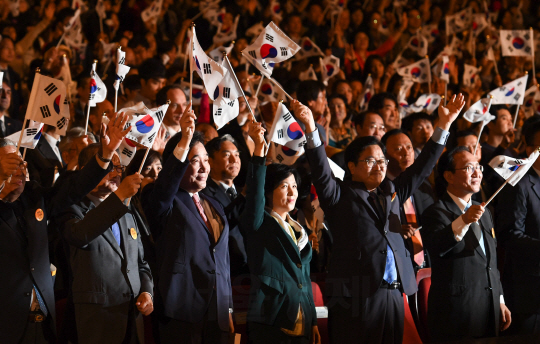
(470, 168)
(371, 162)
(378, 127)
(119, 168)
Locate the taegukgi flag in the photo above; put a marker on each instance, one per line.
(512, 169)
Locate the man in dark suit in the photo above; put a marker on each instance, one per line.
(517, 222)
(225, 164)
(25, 208)
(111, 279)
(466, 298)
(370, 267)
(193, 295)
(400, 153)
(11, 77)
(8, 125)
(45, 161)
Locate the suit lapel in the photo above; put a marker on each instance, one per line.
(360, 190)
(188, 202)
(535, 181)
(217, 192)
(7, 215)
(125, 234)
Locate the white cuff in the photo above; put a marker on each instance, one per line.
(502, 299)
(180, 153)
(460, 228)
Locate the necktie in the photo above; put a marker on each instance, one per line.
(376, 204)
(410, 214)
(390, 272)
(41, 302)
(116, 232)
(232, 193)
(198, 204)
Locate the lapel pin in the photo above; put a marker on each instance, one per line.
(393, 197)
(133, 233)
(493, 232)
(39, 214)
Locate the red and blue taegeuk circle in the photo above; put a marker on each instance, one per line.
(518, 43)
(93, 85)
(268, 51)
(294, 131)
(287, 151)
(510, 92)
(266, 89)
(145, 124)
(415, 72)
(56, 104)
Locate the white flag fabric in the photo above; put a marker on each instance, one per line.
(531, 103)
(455, 48)
(512, 169)
(491, 55)
(284, 155)
(1, 79)
(430, 32)
(197, 92)
(127, 151)
(404, 109)
(367, 93)
(214, 15)
(225, 113)
(275, 10)
(308, 49)
(426, 103)
(308, 74)
(419, 44)
(227, 90)
(48, 103)
(418, 71)
(459, 21)
(98, 90)
(209, 70)
(217, 53)
(516, 42)
(478, 112)
(271, 47)
(255, 30)
(151, 13)
(338, 172)
(222, 37)
(479, 23)
(145, 124)
(72, 31)
(510, 93)
(470, 75)
(121, 68)
(445, 69)
(329, 68)
(286, 131)
(31, 135)
(400, 62)
(270, 92)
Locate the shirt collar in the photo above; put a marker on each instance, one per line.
(51, 140)
(224, 186)
(459, 202)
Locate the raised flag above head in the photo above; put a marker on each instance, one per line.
(108, 50)
(516, 42)
(329, 68)
(286, 131)
(209, 70)
(145, 124)
(308, 74)
(400, 62)
(31, 135)
(270, 92)
(470, 75)
(222, 37)
(455, 48)
(531, 103)
(271, 47)
(459, 21)
(445, 69)
(367, 93)
(404, 109)
(196, 94)
(151, 13)
(127, 151)
(225, 113)
(419, 44)
(430, 32)
(98, 90)
(284, 155)
(426, 103)
(512, 169)
(510, 93)
(48, 103)
(478, 112)
(72, 31)
(479, 23)
(418, 71)
(255, 31)
(275, 10)
(214, 15)
(218, 54)
(227, 90)
(121, 68)
(308, 49)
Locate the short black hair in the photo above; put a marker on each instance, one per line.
(447, 162)
(88, 153)
(465, 133)
(338, 96)
(391, 133)
(360, 118)
(152, 68)
(358, 145)
(494, 110)
(530, 132)
(309, 90)
(408, 122)
(161, 96)
(132, 82)
(135, 163)
(275, 174)
(173, 142)
(377, 101)
(214, 145)
(138, 40)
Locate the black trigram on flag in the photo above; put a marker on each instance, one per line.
(207, 68)
(226, 92)
(31, 131)
(61, 122)
(280, 133)
(120, 78)
(45, 111)
(66, 101)
(279, 158)
(517, 96)
(270, 38)
(159, 116)
(252, 53)
(92, 96)
(122, 61)
(151, 138)
(287, 116)
(231, 104)
(219, 111)
(50, 89)
(284, 51)
(127, 152)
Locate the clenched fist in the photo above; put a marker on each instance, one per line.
(129, 186)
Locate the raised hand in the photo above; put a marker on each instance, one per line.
(449, 113)
(113, 133)
(9, 164)
(129, 186)
(187, 126)
(160, 142)
(256, 132)
(304, 115)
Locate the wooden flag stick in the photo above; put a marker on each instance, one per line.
(516, 116)
(483, 124)
(496, 192)
(259, 87)
(281, 88)
(533, 64)
(429, 83)
(191, 65)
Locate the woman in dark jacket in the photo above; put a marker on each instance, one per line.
(281, 307)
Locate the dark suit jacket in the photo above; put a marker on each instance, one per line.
(107, 278)
(280, 271)
(237, 250)
(25, 260)
(12, 126)
(191, 266)
(465, 283)
(42, 163)
(14, 81)
(517, 219)
(360, 237)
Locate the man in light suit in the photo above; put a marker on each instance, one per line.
(466, 298)
(517, 223)
(111, 279)
(193, 295)
(370, 267)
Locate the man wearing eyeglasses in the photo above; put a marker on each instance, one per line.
(466, 297)
(370, 267)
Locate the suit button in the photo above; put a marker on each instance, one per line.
(489, 268)
(383, 251)
(27, 294)
(32, 269)
(489, 288)
(127, 271)
(385, 232)
(299, 285)
(298, 265)
(212, 272)
(214, 250)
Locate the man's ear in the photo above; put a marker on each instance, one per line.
(449, 177)
(351, 166)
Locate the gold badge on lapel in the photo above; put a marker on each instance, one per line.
(133, 233)
(493, 233)
(39, 214)
(393, 197)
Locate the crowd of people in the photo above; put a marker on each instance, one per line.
(168, 234)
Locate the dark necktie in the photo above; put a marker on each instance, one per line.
(232, 193)
(374, 198)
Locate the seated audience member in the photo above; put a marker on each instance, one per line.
(45, 161)
(176, 95)
(340, 134)
(419, 126)
(458, 233)
(152, 76)
(386, 105)
(313, 94)
(224, 160)
(111, 281)
(8, 125)
(281, 308)
(400, 153)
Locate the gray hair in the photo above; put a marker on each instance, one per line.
(72, 134)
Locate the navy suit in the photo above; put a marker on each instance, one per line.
(12, 125)
(192, 268)
(43, 163)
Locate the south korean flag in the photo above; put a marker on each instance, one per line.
(517, 42)
(286, 131)
(121, 68)
(31, 135)
(511, 93)
(470, 75)
(209, 70)
(225, 113)
(145, 125)
(419, 71)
